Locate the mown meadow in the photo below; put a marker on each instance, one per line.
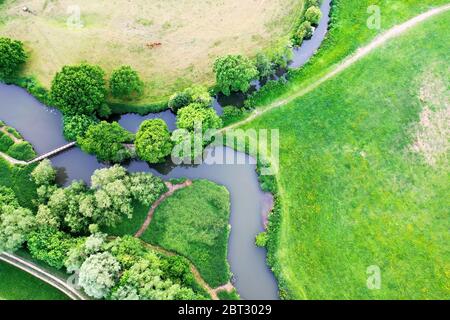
(352, 192)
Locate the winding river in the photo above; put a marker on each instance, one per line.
(42, 126)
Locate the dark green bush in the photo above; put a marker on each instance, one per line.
(77, 125)
(153, 142)
(49, 245)
(80, 89)
(22, 151)
(125, 83)
(12, 56)
(5, 142)
(106, 141)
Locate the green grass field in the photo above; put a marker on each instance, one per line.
(194, 223)
(18, 285)
(130, 226)
(353, 194)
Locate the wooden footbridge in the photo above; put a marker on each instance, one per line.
(52, 153)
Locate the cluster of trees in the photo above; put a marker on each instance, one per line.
(16, 222)
(12, 57)
(123, 269)
(80, 92)
(310, 19)
(107, 141)
(79, 208)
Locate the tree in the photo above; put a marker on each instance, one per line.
(50, 245)
(199, 94)
(80, 89)
(98, 274)
(106, 141)
(304, 31)
(234, 73)
(8, 197)
(15, 225)
(264, 65)
(196, 93)
(45, 218)
(44, 174)
(194, 114)
(153, 142)
(313, 15)
(145, 187)
(125, 83)
(102, 177)
(77, 125)
(12, 56)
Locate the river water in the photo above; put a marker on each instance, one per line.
(42, 126)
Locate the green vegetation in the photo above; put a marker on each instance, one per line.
(80, 89)
(19, 285)
(130, 226)
(232, 114)
(12, 57)
(12, 143)
(234, 73)
(261, 239)
(77, 125)
(49, 245)
(310, 17)
(362, 197)
(195, 94)
(124, 268)
(125, 83)
(106, 141)
(18, 179)
(225, 295)
(194, 223)
(197, 114)
(153, 142)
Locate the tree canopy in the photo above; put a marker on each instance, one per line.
(234, 73)
(153, 142)
(80, 89)
(196, 113)
(106, 141)
(12, 56)
(125, 83)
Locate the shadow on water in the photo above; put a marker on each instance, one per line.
(42, 126)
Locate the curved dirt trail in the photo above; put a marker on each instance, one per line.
(346, 63)
(172, 188)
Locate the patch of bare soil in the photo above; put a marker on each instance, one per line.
(432, 133)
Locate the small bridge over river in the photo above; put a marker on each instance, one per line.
(52, 153)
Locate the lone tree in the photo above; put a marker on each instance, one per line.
(125, 83)
(153, 142)
(12, 56)
(106, 141)
(80, 89)
(234, 73)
